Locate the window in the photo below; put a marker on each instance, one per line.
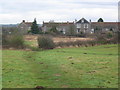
(92, 30)
(78, 30)
(85, 25)
(82, 21)
(64, 31)
(78, 25)
(106, 29)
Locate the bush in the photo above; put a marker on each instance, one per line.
(114, 39)
(29, 31)
(45, 42)
(109, 35)
(60, 44)
(100, 37)
(4, 40)
(15, 41)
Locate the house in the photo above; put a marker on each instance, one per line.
(83, 26)
(63, 27)
(102, 27)
(69, 28)
(24, 27)
(95, 27)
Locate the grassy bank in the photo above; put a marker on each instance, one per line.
(91, 67)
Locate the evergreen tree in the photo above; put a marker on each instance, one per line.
(34, 27)
(100, 20)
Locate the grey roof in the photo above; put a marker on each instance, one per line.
(80, 21)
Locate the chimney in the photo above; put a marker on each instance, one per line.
(90, 20)
(23, 21)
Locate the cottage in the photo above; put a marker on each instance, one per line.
(24, 27)
(69, 28)
(83, 26)
(102, 27)
(63, 27)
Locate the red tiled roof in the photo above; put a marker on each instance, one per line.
(105, 22)
(28, 23)
(58, 23)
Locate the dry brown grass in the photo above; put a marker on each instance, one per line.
(56, 39)
(30, 37)
(67, 39)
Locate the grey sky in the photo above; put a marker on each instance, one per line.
(14, 11)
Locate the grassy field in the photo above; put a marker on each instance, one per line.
(85, 67)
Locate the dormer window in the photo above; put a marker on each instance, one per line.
(82, 21)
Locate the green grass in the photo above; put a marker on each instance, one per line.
(31, 43)
(91, 67)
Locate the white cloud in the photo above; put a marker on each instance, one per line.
(14, 11)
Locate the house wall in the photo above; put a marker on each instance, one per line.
(83, 27)
(104, 27)
(64, 27)
(23, 28)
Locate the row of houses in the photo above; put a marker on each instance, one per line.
(76, 27)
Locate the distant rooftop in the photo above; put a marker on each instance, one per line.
(83, 20)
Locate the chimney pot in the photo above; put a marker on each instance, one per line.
(23, 20)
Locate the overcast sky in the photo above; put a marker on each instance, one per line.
(14, 11)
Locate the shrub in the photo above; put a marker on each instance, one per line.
(4, 40)
(78, 43)
(68, 44)
(109, 35)
(29, 31)
(60, 44)
(16, 41)
(114, 39)
(13, 40)
(45, 42)
(100, 38)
